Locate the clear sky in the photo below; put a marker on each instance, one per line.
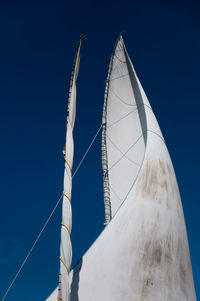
(38, 42)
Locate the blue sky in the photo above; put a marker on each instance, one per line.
(38, 42)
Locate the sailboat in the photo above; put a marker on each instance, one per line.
(142, 254)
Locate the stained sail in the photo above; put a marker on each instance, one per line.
(143, 253)
(68, 152)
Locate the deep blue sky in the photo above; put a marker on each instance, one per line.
(38, 42)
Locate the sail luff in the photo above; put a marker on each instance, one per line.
(68, 152)
(106, 185)
(122, 150)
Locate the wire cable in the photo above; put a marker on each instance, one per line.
(49, 218)
(29, 253)
(87, 151)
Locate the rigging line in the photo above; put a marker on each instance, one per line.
(126, 152)
(87, 151)
(48, 219)
(128, 104)
(132, 111)
(121, 76)
(29, 253)
(119, 59)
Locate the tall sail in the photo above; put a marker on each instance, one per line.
(124, 131)
(68, 152)
(143, 253)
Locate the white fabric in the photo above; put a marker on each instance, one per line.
(65, 245)
(143, 253)
(124, 133)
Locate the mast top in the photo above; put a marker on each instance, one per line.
(82, 36)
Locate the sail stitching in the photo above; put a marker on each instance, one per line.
(121, 76)
(121, 151)
(126, 152)
(139, 170)
(124, 155)
(119, 59)
(156, 134)
(128, 104)
(133, 111)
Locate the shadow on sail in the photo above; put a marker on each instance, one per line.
(143, 252)
(75, 281)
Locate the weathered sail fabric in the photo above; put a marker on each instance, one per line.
(125, 128)
(68, 152)
(143, 253)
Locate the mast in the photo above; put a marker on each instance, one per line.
(68, 152)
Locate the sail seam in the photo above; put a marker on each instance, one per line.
(121, 76)
(133, 111)
(121, 151)
(119, 59)
(126, 152)
(132, 105)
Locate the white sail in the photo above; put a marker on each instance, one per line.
(65, 245)
(143, 252)
(125, 132)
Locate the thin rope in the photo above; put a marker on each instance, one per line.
(128, 104)
(29, 253)
(48, 219)
(121, 76)
(87, 151)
